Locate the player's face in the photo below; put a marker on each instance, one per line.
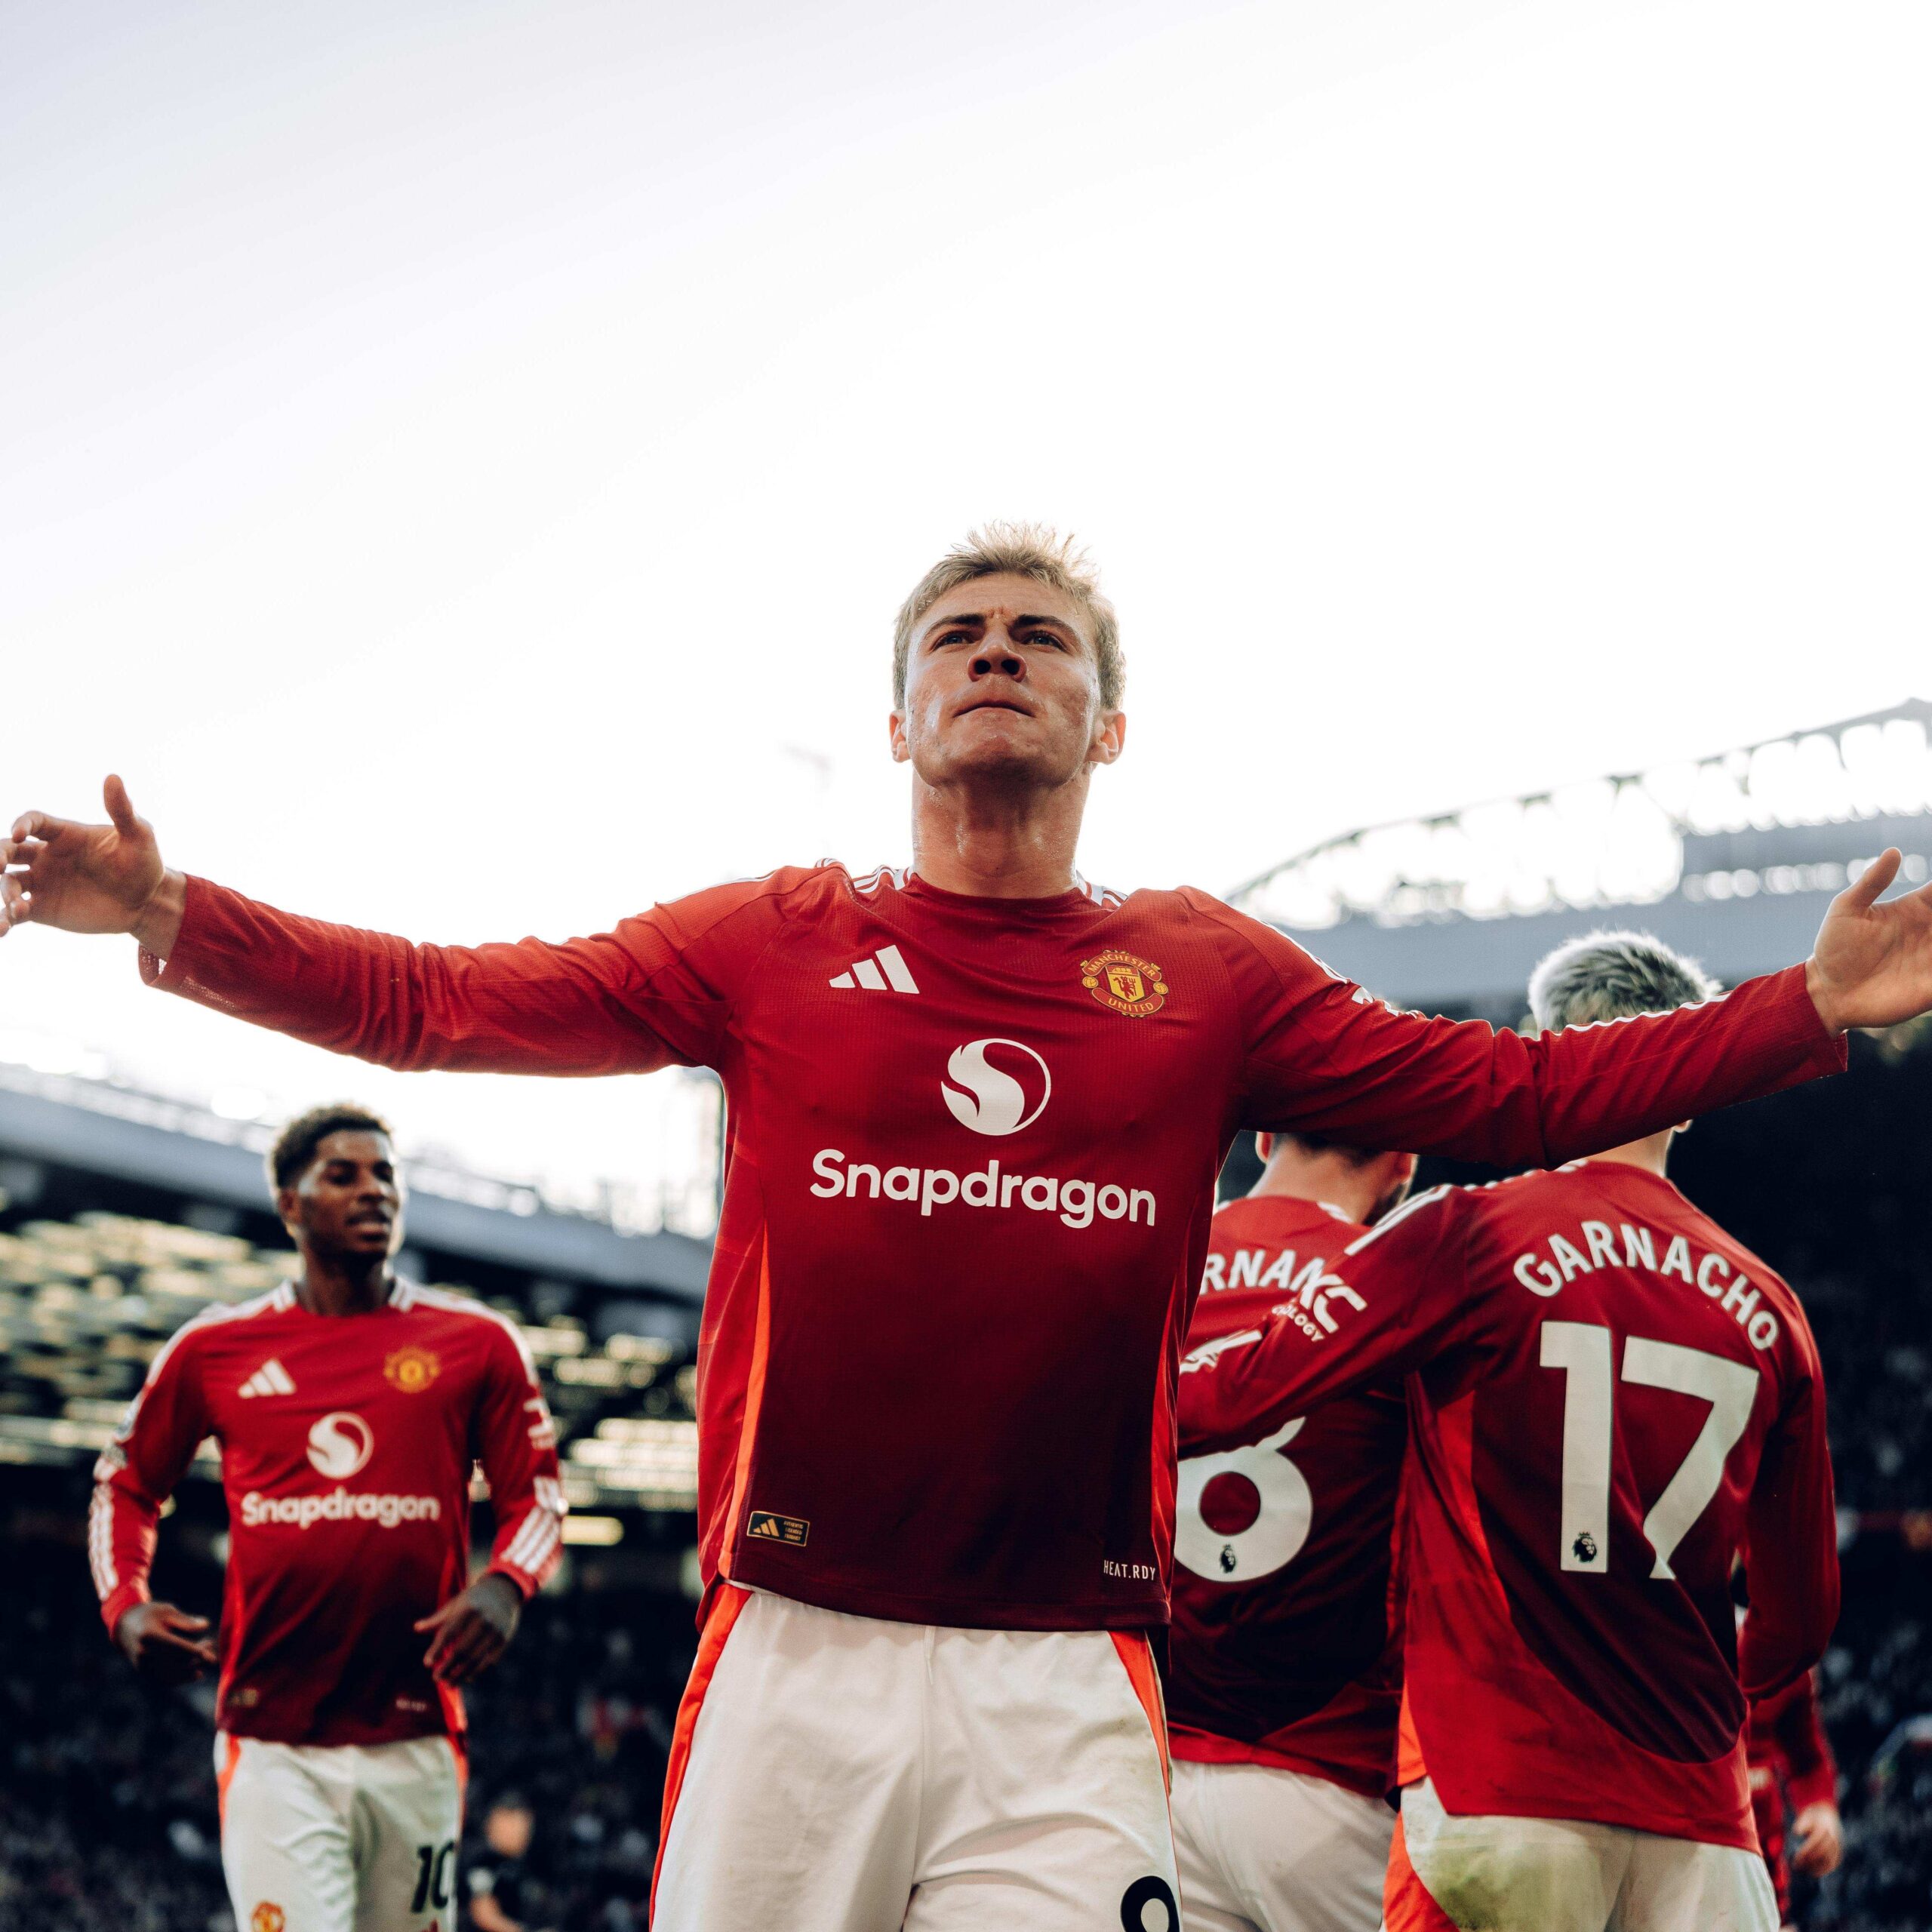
(348, 1202)
(1002, 685)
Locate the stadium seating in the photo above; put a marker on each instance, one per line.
(85, 1304)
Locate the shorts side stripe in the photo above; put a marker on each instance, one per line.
(1138, 1660)
(231, 1756)
(1406, 1904)
(731, 1599)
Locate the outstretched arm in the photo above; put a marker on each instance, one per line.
(1323, 1057)
(652, 993)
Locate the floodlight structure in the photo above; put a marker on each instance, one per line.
(1731, 858)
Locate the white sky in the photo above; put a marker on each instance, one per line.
(461, 459)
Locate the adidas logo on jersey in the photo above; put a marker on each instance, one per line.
(768, 1527)
(271, 1379)
(885, 971)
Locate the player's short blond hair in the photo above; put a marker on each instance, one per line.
(1017, 549)
(1613, 976)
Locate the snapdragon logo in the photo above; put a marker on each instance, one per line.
(993, 1086)
(990, 1099)
(338, 1506)
(340, 1444)
(1075, 1201)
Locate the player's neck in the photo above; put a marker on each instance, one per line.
(997, 842)
(1327, 1183)
(1652, 1153)
(351, 1286)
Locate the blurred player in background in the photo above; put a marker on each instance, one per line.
(1285, 1671)
(350, 1407)
(976, 1110)
(503, 1895)
(1792, 1769)
(1611, 1398)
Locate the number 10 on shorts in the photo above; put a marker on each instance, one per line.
(432, 1876)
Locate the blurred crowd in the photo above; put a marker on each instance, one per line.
(1877, 1703)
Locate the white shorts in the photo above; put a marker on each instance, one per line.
(341, 1838)
(1553, 1875)
(837, 1773)
(1264, 1849)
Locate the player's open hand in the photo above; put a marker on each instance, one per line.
(90, 878)
(1872, 964)
(1820, 1832)
(473, 1629)
(163, 1642)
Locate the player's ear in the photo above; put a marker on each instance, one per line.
(896, 728)
(1109, 735)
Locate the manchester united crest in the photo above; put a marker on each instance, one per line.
(267, 1917)
(411, 1370)
(1128, 984)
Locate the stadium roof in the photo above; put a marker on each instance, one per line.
(1731, 858)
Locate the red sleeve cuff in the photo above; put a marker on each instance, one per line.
(1818, 1787)
(117, 1604)
(171, 975)
(1825, 1052)
(526, 1584)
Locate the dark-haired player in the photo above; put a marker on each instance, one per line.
(976, 1113)
(1285, 1677)
(1612, 1399)
(350, 1407)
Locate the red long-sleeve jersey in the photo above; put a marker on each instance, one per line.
(346, 1446)
(1611, 1399)
(972, 1152)
(1286, 1650)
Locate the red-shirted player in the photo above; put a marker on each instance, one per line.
(1285, 1661)
(1612, 1400)
(350, 1408)
(976, 1113)
(1792, 1766)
